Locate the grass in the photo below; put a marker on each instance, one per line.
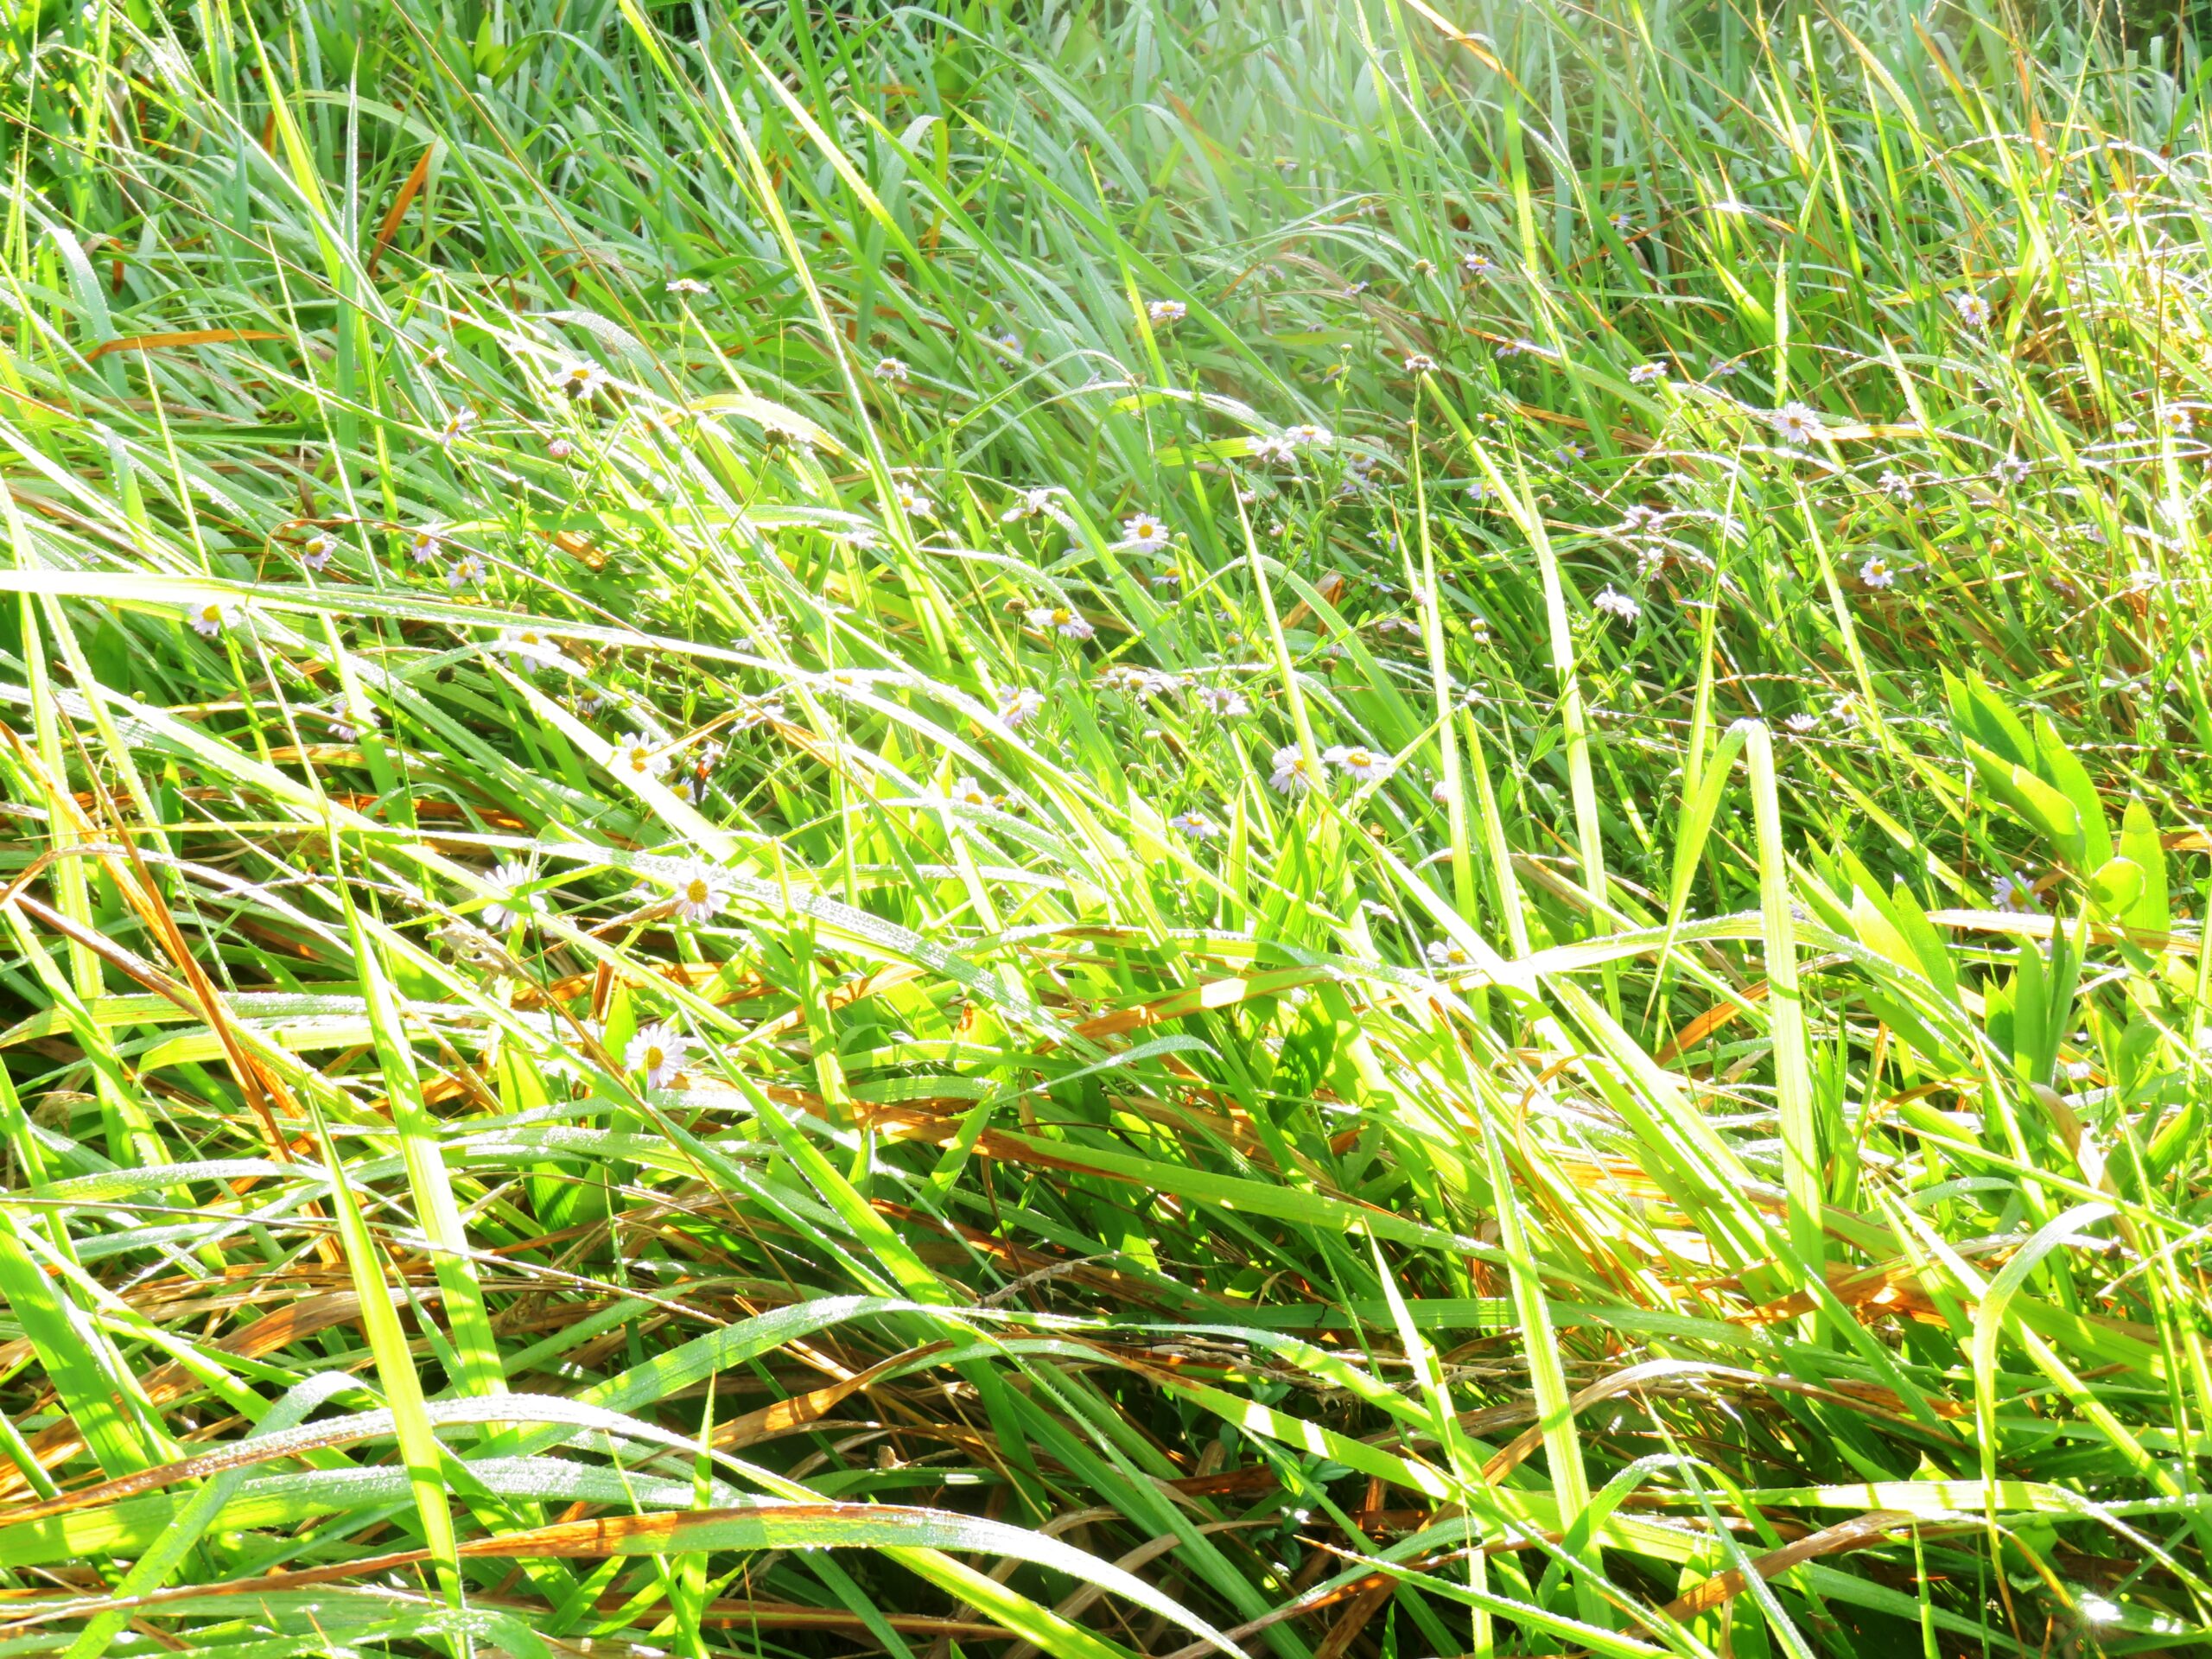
(1358, 830)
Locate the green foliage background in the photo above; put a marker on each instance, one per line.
(1343, 829)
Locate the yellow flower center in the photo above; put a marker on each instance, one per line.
(656, 1057)
(697, 892)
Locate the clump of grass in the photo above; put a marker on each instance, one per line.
(1122, 830)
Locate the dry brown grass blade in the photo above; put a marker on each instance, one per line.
(183, 337)
(788, 1416)
(408, 192)
(1858, 1533)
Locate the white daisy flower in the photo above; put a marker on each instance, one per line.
(1160, 313)
(1196, 825)
(1724, 368)
(688, 285)
(513, 905)
(913, 503)
(2015, 892)
(1478, 265)
(2180, 420)
(456, 426)
(209, 617)
(1225, 702)
(423, 546)
(1877, 573)
(317, 552)
(1895, 486)
(1424, 267)
(346, 725)
(891, 371)
(2013, 469)
(1637, 519)
(582, 379)
(1292, 774)
(1358, 761)
(1068, 624)
(1307, 436)
(528, 644)
(637, 758)
(968, 792)
(1032, 504)
(700, 890)
(1419, 363)
(1143, 533)
(1018, 705)
(1613, 602)
(1647, 374)
(1796, 424)
(1447, 956)
(468, 572)
(1278, 451)
(1972, 309)
(1802, 721)
(657, 1051)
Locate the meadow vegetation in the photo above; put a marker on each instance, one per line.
(1342, 828)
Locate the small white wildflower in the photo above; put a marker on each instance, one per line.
(1478, 265)
(456, 426)
(1279, 451)
(1068, 624)
(1141, 532)
(1447, 955)
(1508, 349)
(1895, 486)
(1196, 825)
(968, 792)
(1293, 774)
(2017, 893)
(1353, 291)
(209, 617)
(1357, 761)
(1160, 313)
(1018, 705)
(1724, 368)
(891, 371)
(346, 725)
(582, 379)
(1637, 519)
(1647, 374)
(1796, 424)
(913, 503)
(657, 1051)
(1224, 702)
(688, 285)
(2012, 469)
(1972, 309)
(1032, 504)
(1877, 573)
(528, 644)
(423, 546)
(638, 757)
(511, 905)
(2180, 420)
(1419, 363)
(2080, 1070)
(1307, 436)
(700, 890)
(468, 572)
(315, 553)
(758, 711)
(1613, 602)
(1802, 721)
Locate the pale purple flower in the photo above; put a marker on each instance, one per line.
(1018, 705)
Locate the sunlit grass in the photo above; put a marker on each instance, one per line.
(1344, 829)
